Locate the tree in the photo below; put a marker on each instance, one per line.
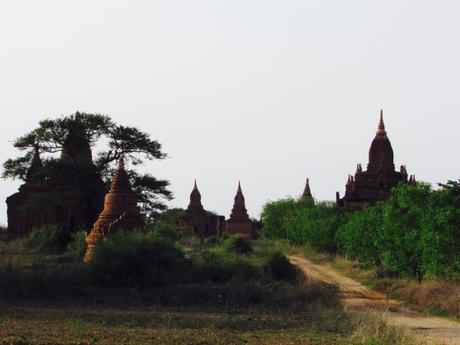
(357, 238)
(74, 136)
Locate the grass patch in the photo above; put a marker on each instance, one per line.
(222, 297)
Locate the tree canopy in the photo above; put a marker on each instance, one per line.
(75, 136)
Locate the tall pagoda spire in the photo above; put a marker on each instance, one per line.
(307, 192)
(381, 126)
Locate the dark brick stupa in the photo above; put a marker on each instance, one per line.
(198, 222)
(239, 222)
(21, 222)
(375, 183)
(120, 211)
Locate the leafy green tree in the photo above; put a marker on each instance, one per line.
(357, 238)
(317, 225)
(314, 225)
(274, 215)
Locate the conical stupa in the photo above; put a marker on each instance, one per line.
(239, 221)
(120, 211)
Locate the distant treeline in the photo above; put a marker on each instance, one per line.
(415, 233)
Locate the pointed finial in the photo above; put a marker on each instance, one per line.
(195, 186)
(239, 186)
(381, 127)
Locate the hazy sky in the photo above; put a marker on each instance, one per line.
(266, 92)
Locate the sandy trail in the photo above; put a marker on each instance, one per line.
(356, 296)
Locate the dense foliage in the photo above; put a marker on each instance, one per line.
(314, 225)
(415, 233)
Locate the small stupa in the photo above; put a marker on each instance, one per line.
(120, 211)
(239, 221)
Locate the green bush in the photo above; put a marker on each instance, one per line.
(281, 268)
(164, 231)
(238, 244)
(137, 259)
(48, 239)
(221, 266)
(315, 225)
(77, 246)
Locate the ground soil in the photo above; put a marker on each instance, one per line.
(354, 296)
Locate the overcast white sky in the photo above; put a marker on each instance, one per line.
(266, 92)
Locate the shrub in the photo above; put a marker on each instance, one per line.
(48, 239)
(374, 330)
(164, 231)
(137, 259)
(281, 268)
(238, 244)
(221, 266)
(77, 246)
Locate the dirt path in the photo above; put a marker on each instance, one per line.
(356, 296)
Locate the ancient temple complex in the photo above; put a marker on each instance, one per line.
(239, 221)
(198, 222)
(375, 183)
(120, 211)
(58, 199)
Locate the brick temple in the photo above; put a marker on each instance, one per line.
(376, 182)
(44, 200)
(196, 221)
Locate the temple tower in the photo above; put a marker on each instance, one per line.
(120, 211)
(376, 182)
(239, 221)
(198, 222)
(19, 222)
(307, 198)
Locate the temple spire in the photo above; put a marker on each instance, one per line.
(35, 166)
(381, 127)
(195, 198)
(239, 206)
(307, 191)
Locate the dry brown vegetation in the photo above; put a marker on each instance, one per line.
(435, 296)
